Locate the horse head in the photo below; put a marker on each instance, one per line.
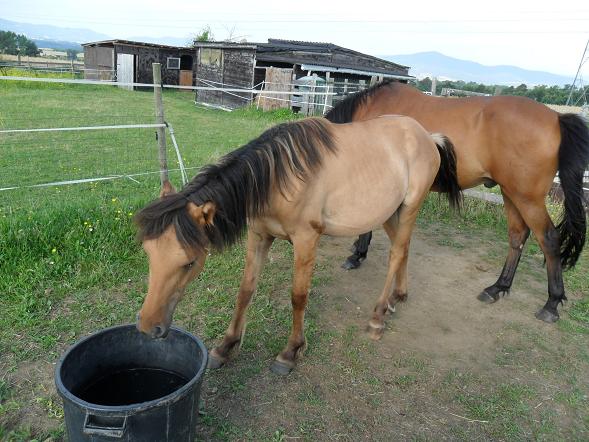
(174, 261)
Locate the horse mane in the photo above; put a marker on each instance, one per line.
(240, 184)
(344, 110)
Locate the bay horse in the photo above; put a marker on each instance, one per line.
(511, 141)
(297, 181)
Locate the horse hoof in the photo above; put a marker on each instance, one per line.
(214, 361)
(375, 332)
(487, 298)
(547, 316)
(351, 264)
(281, 368)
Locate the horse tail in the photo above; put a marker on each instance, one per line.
(573, 158)
(447, 178)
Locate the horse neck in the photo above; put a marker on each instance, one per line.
(396, 99)
(237, 195)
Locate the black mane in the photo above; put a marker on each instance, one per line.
(344, 110)
(240, 184)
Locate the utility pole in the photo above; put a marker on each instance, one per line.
(578, 82)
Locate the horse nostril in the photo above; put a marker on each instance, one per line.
(158, 331)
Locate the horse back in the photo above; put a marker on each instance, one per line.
(381, 164)
(487, 132)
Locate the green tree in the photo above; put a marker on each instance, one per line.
(424, 84)
(205, 34)
(8, 42)
(11, 43)
(72, 54)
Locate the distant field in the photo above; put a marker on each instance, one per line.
(50, 60)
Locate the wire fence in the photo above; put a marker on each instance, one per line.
(83, 137)
(67, 138)
(60, 141)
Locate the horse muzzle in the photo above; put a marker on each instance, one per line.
(155, 331)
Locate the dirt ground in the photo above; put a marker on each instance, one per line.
(447, 368)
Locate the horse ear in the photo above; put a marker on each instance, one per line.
(202, 215)
(167, 189)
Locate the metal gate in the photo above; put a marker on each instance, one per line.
(126, 69)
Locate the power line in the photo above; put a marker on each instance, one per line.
(272, 19)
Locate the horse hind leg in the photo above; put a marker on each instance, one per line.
(518, 234)
(399, 229)
(399, 293)
(359, 252)
(536, 216)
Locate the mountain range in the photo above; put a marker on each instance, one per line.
(422, 64)
(428, 64)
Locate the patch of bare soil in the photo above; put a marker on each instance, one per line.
(33, 384)
(447, 368)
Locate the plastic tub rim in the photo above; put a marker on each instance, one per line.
(129, 410)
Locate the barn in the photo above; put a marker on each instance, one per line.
(130, 62)
(325, 59)
(237, 66)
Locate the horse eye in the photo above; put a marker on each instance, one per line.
(190, 265)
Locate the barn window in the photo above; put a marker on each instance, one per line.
(211, 57)
(173, 63)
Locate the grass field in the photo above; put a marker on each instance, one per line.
(70, 265)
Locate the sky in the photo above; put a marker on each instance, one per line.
(539, 35)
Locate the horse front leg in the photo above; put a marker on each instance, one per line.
(305, 250)
(258, 246)
(359, 252)
(518, 234)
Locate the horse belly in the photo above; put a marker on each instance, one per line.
(353, 210)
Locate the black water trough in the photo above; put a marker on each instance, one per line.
(119, 384)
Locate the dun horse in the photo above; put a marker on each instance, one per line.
(297, 181)
(511, 141)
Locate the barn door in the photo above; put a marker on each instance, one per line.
(125, 70)
(186, 78)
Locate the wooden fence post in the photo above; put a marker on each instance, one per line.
(159, 119)
(329, 98)
(312, 96)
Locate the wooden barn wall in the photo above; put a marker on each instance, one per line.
(209, 67)
(233, 67)
(146, 56)
(98, 58)
(238, 70)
